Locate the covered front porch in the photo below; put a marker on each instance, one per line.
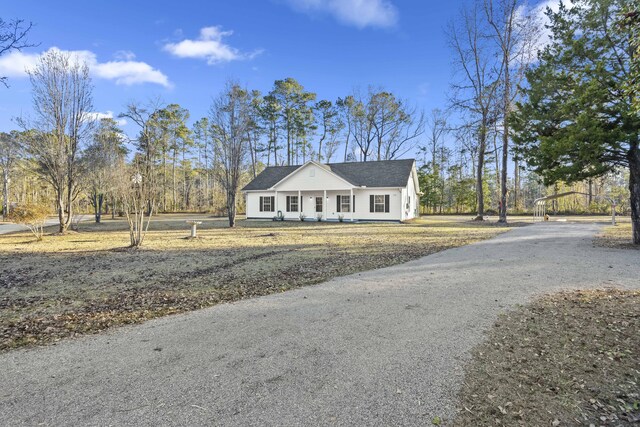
(314, 205)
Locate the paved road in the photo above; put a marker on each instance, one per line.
(386, 347)
(9, 227)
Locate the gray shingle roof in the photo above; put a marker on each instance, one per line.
(384, 173)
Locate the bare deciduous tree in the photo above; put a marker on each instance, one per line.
(13, 36)
(382, 126)
(230, 120)
(514, 33)
(62, 101)
(437, 128)
(138, 184)
(9, 154)
(477, 91)
(103, 160)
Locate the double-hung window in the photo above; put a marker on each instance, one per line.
(344, 203)
(318, 204)
(379, 203)
(292, 203)
(267, 204)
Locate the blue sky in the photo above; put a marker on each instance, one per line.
(184, 51)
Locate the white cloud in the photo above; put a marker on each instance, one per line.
(539, 12)
(130, 73)
(96, 115)
(210, 46)
(359, 13)
(124, 55)
(121, 71)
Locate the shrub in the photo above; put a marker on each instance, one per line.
(33, 215)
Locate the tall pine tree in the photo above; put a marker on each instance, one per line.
(577, 121)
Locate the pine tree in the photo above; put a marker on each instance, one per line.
(577, 122)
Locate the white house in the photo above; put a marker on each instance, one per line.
(385, 190)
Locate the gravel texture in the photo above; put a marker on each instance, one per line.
(385, 347)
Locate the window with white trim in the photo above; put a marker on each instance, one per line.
(267, 203)
(318, 204)
(345, 204)
(379, 203)
(292, 203)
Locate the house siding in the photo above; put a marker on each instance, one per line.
(314, 181)
(362, 209)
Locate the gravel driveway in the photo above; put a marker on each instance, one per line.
(385, 347)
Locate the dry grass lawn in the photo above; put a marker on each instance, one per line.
(618, 237)
(570, 359)
(85, 282)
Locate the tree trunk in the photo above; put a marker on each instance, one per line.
(173, 182)
(60, 205)
(67, 220)
(164, 180)
(97, 206)
(231, 208)
(346, 143)
(516, 184)
(505, 140)
(634, 189)
(497, 160)
(479, 170)
(5, 193)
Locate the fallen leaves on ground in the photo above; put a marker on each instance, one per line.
(82, 283)
(570, 359)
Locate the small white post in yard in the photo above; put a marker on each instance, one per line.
(194, 225)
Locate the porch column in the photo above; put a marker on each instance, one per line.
(299, 203)
(351, 202)
(276, 202)
(324, 204)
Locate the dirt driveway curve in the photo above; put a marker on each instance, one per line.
(385, 347)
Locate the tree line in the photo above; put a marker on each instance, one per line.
(179, 167)
(554, 101)
(533, 108)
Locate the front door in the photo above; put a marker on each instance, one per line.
(319, 207)
(312, 203)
